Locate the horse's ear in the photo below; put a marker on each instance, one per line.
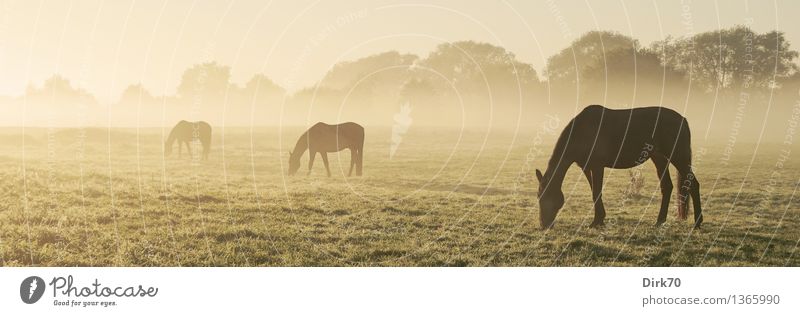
(290, 153)
(539, 175)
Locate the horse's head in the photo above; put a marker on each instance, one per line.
(167, 148)
(551, 199)
(294, 163)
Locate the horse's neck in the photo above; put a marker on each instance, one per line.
(559, 163)
(172, 137)
(301, 146)
(556, 172)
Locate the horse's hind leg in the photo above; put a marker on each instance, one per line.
(698, 208)
(359, 161)
(694, 190)
(662, 169)
(352, 161)
(595, 177)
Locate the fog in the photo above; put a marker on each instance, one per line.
(736, 82)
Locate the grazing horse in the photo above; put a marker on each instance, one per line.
(186, 132)
(599, 138)
(323, 138)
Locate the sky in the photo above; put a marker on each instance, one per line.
(104, 46)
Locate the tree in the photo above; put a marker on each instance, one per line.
(136, 93)
(262, 85)
(589, 50)
(470, 65)
(59, 88)
(626, 66)
(207, 79)
(346, 74)
(731, 57)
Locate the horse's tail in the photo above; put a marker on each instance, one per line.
(685, 148)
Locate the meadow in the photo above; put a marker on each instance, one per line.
(446, 197)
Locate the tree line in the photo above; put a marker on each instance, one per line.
(469, 81)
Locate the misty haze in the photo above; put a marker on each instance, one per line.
(456, 119)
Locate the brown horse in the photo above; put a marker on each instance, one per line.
(323, 138)
(599, 138)
(186, 132)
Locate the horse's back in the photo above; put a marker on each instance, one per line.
(184, 130)
(343, 128)
(181, 130)
(617, 138)
(595, 111)
(631, 120)
(184, 124)
(352, 128)
(329, 137)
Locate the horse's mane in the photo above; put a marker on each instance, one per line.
(300, 147)
(172, 134)
(561, 146)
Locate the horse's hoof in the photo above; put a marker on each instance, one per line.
(660, 223)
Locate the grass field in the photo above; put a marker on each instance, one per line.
(446, 198)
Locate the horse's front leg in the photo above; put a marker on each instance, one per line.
(662, 169)
(312, 154)
(595, 178)
(325, 161)
(352, 161)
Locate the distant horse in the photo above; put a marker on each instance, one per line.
(599, 138)
(323, 138)
(186, 132)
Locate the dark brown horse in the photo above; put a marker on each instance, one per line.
(323, 139)
(186, 132)
(599, 138)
